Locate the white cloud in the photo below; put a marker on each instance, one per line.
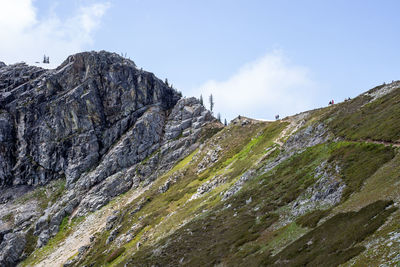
(25, 37)
(260, 89)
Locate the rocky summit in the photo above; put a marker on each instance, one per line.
(98, 125)
(104, 164)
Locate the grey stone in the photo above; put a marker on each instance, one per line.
(82, 250)
(96, 121)
(237, 185)
(66, 119)
(69, 263)
(164, 187)
(112, 235)
(23, 217)
(310, 136)
(110, 222)
(41, 223)
(11, 249)
(43, 238)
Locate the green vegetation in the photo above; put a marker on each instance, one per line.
(46, 194)
(275, 241)
(230, 234)
(208, 132)
(207, 240)
(256, 226)
(381, 185)
(242, 151)
(378, 120)
(359, 161)
(382, 251)
(237, 234)
(312, 218)
(31, 241)
(8, 218)
(236, 157)
(65, 229)
(335, 241)
(115, 254)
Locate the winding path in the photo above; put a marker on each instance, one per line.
(385, 143)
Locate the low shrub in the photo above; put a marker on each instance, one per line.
(312, 218)
(115, 254)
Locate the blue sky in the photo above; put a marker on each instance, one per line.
(258, 58)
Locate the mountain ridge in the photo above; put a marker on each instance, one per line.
(169, 185)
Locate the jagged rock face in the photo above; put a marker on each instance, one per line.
(96, 120)
(149, 148)
(11, 248)
(63, 121)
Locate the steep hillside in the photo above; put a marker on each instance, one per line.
(170, 186)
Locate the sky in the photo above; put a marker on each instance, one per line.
(257, 58)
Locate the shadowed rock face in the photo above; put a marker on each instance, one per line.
(61, 122)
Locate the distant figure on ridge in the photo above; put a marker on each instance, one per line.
(46, 60)
(276, 117)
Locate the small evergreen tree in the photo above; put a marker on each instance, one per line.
(225, 122)
(219, 117)
(211, 100)
(201, 100)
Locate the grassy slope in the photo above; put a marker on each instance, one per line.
(378, 120)
(240, 147)
(243, 230)
(236, 235)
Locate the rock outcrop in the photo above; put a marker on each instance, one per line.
(63, 121)
(96, 121)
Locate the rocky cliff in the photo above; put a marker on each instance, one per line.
(97, 123)
(62, 122)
